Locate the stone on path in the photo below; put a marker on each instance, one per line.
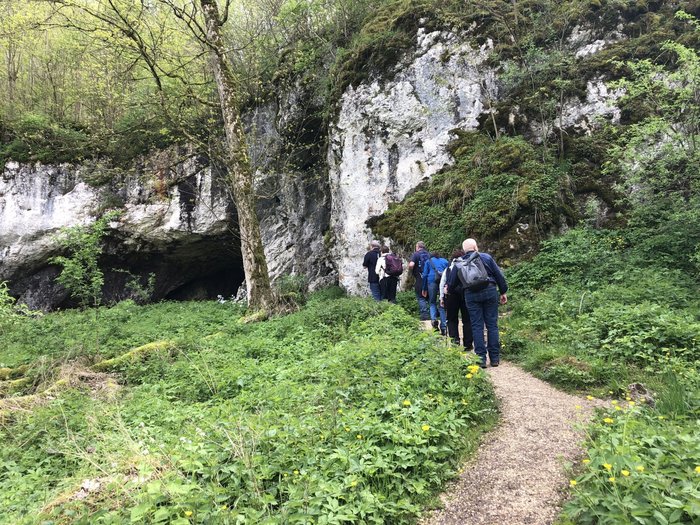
(518, 476)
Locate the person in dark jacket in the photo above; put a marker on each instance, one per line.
(415, 265)
(453, 301)
(483, 305)
(370, 262)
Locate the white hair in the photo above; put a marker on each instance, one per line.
(469, 245)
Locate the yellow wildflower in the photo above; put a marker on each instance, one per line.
(578, 407)
(632, 403)
(340, 411)
(614, 401)
(188, 513)
(697, 469)
(353, 483)
(296, 472)
(572, 483)
(586, 461)
(607, 466)
(609, 420)
(347, 429)
(425, 428)
(590, 398)
(359, 436)
(406, 403)
(469, 376)
(625, 473)
(639, 468)
(611, 479)
(618, 408)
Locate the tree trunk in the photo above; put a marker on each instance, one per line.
(238, 164)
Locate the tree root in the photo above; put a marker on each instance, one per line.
(135, 355)
(13, 373)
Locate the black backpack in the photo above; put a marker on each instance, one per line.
(423, 257)
(472, 273)
(394, 265)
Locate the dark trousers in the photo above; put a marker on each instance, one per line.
(387, 287)
(483, 310)
(454, 305)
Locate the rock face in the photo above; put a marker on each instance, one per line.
(389, 138)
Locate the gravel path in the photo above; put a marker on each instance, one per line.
(517, 476)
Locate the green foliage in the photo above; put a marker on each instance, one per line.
(81, 274)
(11, 313)
(492, 185)
(341, 412)
(642, 467)
(36, 137)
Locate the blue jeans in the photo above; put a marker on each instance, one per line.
(483, 310)
(434, 299)
(375, 291)
(423, 309)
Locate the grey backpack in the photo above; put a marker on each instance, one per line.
(472, 273)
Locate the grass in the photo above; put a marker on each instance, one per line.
(341, 412)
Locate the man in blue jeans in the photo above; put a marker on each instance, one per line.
(483, 306)
(370, 262)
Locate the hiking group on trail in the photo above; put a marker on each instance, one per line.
(471, 284)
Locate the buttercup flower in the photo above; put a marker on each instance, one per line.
(639, 468)
(359, 436)
(425, 428)
(697, 469)
(586, 461)
(608, 420)
(607, 466)
(188, 513)
(590, 398)
(572, 483)
(611, 479)
(406, 403)
(469, 376)
(625, 473)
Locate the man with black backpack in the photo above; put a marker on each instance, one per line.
(370, 262)
(416, 264)
(484, 288)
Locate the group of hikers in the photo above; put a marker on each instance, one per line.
(471, 284)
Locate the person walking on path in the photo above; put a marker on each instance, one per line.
(432, 274)
(387, 282)
(482, 301)
(418, 260)
(453, 302)
(370, 262)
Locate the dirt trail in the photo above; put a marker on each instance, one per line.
(518, 476)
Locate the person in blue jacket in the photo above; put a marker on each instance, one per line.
(483, 305)
(432, 273)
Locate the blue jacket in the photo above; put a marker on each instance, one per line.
(429, 273)
(495, 274)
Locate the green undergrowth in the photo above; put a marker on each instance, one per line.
(615, 314)
(492, 186)
(343, 412)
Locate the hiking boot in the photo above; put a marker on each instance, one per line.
(482, 364)
(495, 364)
(436, 324)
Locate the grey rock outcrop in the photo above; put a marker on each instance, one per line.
(391, 137)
